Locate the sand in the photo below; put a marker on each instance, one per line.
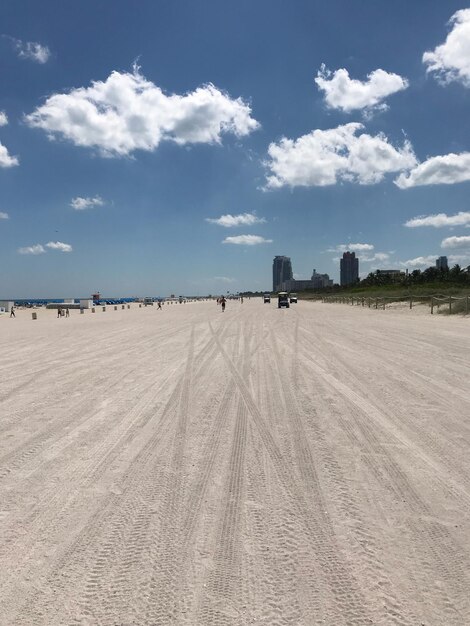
(261, 466)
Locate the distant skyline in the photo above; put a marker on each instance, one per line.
(161, 147)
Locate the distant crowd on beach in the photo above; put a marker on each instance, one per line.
(64, 311)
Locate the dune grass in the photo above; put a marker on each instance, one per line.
(396, 293)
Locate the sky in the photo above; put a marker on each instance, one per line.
(176, 147)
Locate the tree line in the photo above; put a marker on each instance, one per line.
(454, 275)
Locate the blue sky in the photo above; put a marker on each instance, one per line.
(315, 126)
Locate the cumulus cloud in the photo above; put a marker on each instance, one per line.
(58, 245)
(380, 257)
(460, 259)
(456, 242)
(325, 157)
(420, 261)
(6, 160)
(39, 249)
(357, 247)
(439, 220)
(439, 170)
(4, 216)
(36, 249)
(80, 204)
(225, 279)
(126, 112)
(31, 50)
(342, 92)
(229, 221)
(364, 250)
(246, 240)
(451, 60)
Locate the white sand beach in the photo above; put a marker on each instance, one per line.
(273, 467)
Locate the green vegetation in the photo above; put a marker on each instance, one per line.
(398, 291)
(455, 282)
(420, 285)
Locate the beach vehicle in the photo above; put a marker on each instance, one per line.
(293, 298)
(148, 301)
(267, 298)
(283, 300)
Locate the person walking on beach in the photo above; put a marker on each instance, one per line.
(67, 312)
(59, 312)
(159, 304)
(12, 312)
(222, 302)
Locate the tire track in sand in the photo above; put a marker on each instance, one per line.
(349, 598)
(120, 509)
(141, 554)
(434, 538)
(221, 597)
(395, 611)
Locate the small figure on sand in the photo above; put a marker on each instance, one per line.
(222, 302)
(12, 312)
(59, 311)
(67, 312)
(159, 305)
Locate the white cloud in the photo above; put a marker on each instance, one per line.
(378, 256)
(364, 250)
(342, 92)
(461, 259)
(80, 204)
(32, 51)
(451, 60)
(246, 240)
(456, 242)
(126, 112)
(225, 279)
(4, 216)
(6, 160)
(229, 221)
(346, 247)
(36, 249)
(325, 157)
(58, 245)
(420, 261)
(381, 256)
(439, 220)
(439, 170)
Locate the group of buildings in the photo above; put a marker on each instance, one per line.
(283, 279)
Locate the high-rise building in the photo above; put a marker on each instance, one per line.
(282, 271)
(349, 267)
(441, 263)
